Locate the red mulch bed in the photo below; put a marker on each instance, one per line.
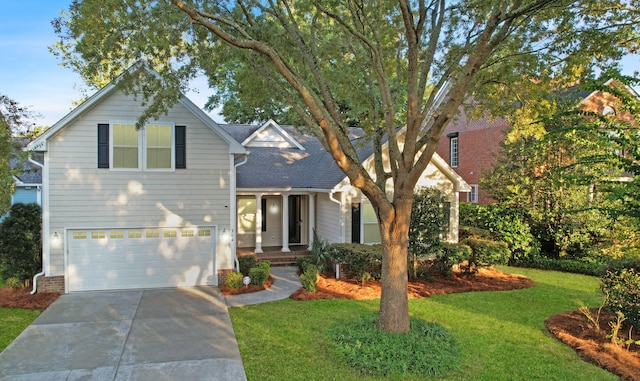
(245, 289)
(485, 280)
(573, 329)
(22, 298)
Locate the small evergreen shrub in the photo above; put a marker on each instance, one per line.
(266, 265)
(309, 278)
(473, 232)
(20, 243)
(258, 276)
(485, 253)
(246, 263)
(622, 290)
(428, 349)
(302, 263)
(234, 280)
(320, 253)
(14, 282)
(357, 260)
(451, 255)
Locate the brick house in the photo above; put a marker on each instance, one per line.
(471, 146)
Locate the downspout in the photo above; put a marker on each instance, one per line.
(234, 213)
(342, 227)
(41, 273)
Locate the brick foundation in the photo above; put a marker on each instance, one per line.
(51, 284)
(222, 275)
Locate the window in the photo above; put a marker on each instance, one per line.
(473, 195)
(454, 157)
(125, 146)
(263, 205)
(370, 227)
(134, 234)
(204, 233)
(159, 149)
(98, 235)
(79, 235)
(151, 233)
(156, 147)
(116, 235)
(246, 215)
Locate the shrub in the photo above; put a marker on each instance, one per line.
(233, 280)
(320, 253)
(451, 255)
(247, 262)
(428, 349)
(504, 224)
(472, 232)
(622, 291)
(266, 265)
(14, 282)
(258, 276)
(302, 263)
(309, 278)
(429, 222)
(357, 260)
(20, 243)
(485, 253)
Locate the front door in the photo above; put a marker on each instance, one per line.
(295, 219)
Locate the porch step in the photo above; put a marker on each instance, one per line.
(283, 259)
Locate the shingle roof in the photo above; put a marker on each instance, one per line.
(269, 167)
(29, 172)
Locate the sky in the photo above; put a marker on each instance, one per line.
(32, 76)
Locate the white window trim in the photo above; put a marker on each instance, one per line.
(363, 223)
(142, 148)
(472, 193)
(457, 151)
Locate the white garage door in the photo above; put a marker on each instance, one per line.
(108, 259)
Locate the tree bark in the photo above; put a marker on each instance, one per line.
(393, 315)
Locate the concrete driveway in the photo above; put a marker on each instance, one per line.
(163, 334)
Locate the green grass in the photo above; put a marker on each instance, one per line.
(12, 322)
(501, 334)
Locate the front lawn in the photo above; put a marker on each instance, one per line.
(12, 322)
(501, 334)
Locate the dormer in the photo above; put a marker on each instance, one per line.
(271, 134)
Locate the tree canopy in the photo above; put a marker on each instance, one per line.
(14, 119)
(327, 65)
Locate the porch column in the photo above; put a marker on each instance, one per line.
(258, 244)
(285, 223)
(312, 218)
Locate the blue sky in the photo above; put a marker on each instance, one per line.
(31, 75)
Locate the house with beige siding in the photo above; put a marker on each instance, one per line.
(170, 204)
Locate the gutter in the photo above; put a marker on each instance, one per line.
(41, 273)
(234, 213)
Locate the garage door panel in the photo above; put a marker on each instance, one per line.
(140, 258)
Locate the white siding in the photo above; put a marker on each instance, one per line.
(329, 225)
(83, 196)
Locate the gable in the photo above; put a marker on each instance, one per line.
(271, 135)
(40, 143)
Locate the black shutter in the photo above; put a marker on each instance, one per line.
(103, 145)
(181, 147)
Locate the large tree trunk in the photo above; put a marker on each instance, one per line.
(394, 302)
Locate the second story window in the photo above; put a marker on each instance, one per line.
(454, 152)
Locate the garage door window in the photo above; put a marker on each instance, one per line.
(98, 235)
(151, 234)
